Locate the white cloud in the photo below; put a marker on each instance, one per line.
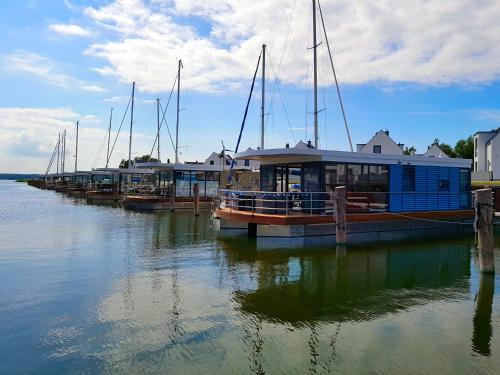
(69, 29)
(44, 70)
(114, 99)
(433, 42)
(28, 137)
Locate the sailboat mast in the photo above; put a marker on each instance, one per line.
(109, 136)
(131, 122)
(76, 147)
(315, 77)
(178, 110)
(263, 113)
(58, 151)
(63, 150)
(158, 125)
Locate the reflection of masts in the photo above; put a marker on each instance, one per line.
(483, 330)
(252, 338)
(313, 350)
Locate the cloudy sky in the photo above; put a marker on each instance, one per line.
(422, 69)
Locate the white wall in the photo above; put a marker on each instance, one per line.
(388, 146)
(480, 159)
(493, 156)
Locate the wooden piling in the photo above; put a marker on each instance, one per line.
(340, 214)
(172, 197)
(484, 227)
(196, 194)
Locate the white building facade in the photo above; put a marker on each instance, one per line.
(381, 143)
(486, 165)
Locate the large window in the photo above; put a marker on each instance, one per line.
(311, 179)
(408, 178)
(266, 178)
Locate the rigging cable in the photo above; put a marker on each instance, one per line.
(246, 113)
(118, 133)
(335, 77)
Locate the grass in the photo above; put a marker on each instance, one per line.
(485, 183)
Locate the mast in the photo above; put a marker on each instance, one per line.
(262, 115)
(76, 147)
(315, 77)
(178, 101)
(58, 151)
(131, 122)
(63, 148)
(158, 125)
(109, 137)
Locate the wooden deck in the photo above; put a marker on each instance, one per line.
(301, 219)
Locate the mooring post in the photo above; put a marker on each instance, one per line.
(340, 214)
(196, 194)
(172, 197)
(483, 224)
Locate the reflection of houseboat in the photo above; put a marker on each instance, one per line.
(385, 192)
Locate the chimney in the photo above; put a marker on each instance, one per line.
(287, 145)
(386, 132)
(309, 144)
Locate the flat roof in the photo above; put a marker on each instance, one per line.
(300, 155)
(182, 167)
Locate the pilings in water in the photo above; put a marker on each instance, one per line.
(340, 214)
(172, 197)
(196, 195)
(483, 225)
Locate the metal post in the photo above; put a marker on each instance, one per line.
(315, 78)
(131, 122)
(263, 113)
(76, 146)
(484, 226)
(172, 197)
(178, 110)
(311, 202)
(286, 202)
(109, 137)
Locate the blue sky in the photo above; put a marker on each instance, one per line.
(423, 72)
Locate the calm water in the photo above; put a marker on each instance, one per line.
(88, 289)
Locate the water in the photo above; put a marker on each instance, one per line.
(88, 289)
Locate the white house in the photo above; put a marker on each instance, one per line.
(217, 159)
(435, 152)
(381, 143)
(486, 155)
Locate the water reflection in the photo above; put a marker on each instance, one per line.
(352, 285)
(483, 329)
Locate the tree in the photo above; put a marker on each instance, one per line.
(446, 148)
(138, 159)
(410, 151)
(465, 148)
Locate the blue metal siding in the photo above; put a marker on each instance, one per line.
(395, 187)
(427, 196)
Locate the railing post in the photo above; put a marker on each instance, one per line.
(311, 202)
(483, 225)
(340, 214)
(286, 203)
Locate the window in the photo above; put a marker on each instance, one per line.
(247, 163)
(266, 178)
(408, 178)
(377, 149)
(444, 185)
(475, 146)
(212, 162)
(475, 166)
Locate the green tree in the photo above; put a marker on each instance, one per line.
(138, 159)
(448, 150)
(410, 151)
(465, 148)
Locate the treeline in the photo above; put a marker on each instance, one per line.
(463, 149)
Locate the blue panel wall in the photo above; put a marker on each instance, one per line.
(395, 187)
(427, 196)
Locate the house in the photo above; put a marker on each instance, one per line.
(486, 155)
(225, 161)
(435, 152)
(381, 143)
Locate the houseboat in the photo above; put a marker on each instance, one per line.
(78, 186)
(389, 197)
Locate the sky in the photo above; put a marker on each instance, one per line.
(421, 69)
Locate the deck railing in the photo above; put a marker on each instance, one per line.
(322, 203)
